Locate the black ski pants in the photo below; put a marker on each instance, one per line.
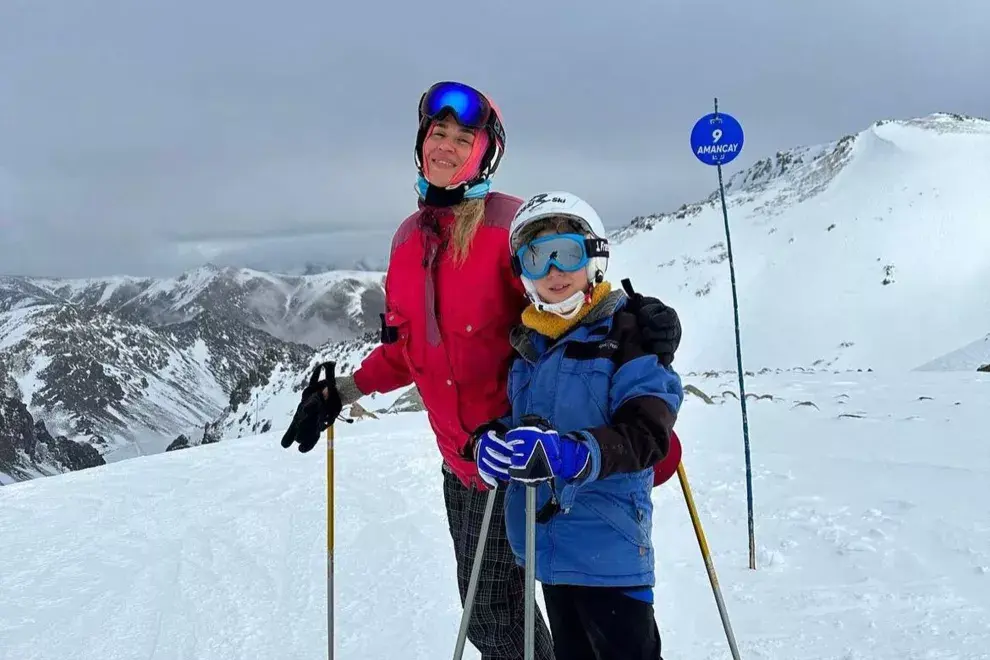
(600, 623)
(497, 627)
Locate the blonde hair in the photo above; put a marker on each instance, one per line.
(468, 216)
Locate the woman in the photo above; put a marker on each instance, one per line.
(451, 298)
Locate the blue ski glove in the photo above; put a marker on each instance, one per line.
(568, 458)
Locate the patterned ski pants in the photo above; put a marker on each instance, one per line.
(497, 618)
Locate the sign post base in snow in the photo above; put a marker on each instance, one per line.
(717, 138)
(330, 504)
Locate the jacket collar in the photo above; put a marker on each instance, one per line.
(598, 322)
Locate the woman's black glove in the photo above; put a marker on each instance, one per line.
(316, 411)
(659, 324)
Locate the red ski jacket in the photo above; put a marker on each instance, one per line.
(667, 466)
(452, 325)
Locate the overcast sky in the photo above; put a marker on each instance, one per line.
(145, 137)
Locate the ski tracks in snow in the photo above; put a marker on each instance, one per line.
(872, 539)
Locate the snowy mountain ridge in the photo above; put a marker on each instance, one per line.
(126, 365)
(308, 309)
(122, 386)
(866, 252)
(799, 173)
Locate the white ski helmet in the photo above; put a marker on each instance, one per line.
(571, 207)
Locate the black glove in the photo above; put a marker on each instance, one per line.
(315, 411)
(659, 324)
(470, 450)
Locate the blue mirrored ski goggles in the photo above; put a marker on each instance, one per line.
(568, 252)
(469, 106)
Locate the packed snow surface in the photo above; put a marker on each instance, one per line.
(872, 534)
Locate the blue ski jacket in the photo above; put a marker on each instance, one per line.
(598, 384)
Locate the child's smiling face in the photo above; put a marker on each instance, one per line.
(557, 286)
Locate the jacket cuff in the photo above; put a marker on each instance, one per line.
(361, 383)
(594, 465)
(348, 390)
(590, 472)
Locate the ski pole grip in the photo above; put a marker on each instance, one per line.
(538, 468)
(329, 367)
(537, 421)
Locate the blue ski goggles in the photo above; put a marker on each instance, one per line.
(470, 107)
(568, 252)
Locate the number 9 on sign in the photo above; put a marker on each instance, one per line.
(716, 139)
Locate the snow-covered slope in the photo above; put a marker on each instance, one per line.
(868, 252)
(969, 357)
(271, 402)
(122, 386)
(309, 309)
(873, 541)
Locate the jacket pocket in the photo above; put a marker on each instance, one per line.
(402, 330)
(588, 381)
(478, 349)
(627, 511)
(606, 535)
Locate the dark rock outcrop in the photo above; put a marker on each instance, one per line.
(28, 449)
(181, 442)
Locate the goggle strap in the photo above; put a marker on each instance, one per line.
(596, 247)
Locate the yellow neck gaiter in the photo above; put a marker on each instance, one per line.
(550, 325)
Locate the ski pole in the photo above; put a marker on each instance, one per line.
(475, 574)
(530, 603)
(535, 472)
(709, 566)
(330, 506)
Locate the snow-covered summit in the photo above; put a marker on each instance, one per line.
(866, 252)
(308, 309)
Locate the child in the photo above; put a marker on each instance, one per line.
(607, 409)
